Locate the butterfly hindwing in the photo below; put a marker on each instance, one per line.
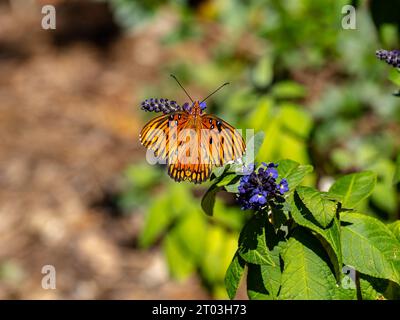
(196, 173)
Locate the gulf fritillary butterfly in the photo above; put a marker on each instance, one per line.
(191, 141)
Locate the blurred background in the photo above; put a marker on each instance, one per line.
(76, 191)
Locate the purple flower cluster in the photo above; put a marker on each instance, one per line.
(390, 57)
(160, 105)
(260, 186)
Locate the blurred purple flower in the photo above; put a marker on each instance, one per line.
(160, 105)
(390, 57)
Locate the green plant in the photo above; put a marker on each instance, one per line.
(320, 97)
(303, 246)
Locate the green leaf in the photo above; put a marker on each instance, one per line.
(218, 171)
(372, 288)
(331, 235)
(255, 286)
(227, 179)
(208, 200)
(262, 73)
(293, 172)
(233, 188)
(394, 76)
(271, 274)
(321, 207)
(392, 291)
(370, 247)
(220, 246)
(288, 90)
(306, 274)
(234, 275)
(395, 228)
(252, 241)
(355, 187)
(157, 220)
(180, 265)
(190, 230)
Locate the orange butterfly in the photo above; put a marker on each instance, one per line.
(189, 140)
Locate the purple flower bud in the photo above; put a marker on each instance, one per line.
(283, 186)
(186, 107)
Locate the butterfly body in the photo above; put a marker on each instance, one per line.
(192, 142)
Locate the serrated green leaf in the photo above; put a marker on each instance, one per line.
(271, 275)
(306, 274)
(355, 187)
(322, 209)
(293, 172)
(268, 276)
(252, 242)
(234, 275)
(370, 247)
(395, 228)
(331, 235)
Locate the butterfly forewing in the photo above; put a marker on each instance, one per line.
(159, 134)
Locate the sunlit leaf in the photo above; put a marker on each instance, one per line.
(331, 235)
(293, 172)
(355, 187)
(306, 274)
(318, 203)
(370, 247)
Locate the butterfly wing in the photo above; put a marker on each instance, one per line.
(166, 136)
(192, 147)
(221, 141)
(158, 132)
(186, 162)
(196, 173)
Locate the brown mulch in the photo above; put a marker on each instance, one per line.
(69, 126)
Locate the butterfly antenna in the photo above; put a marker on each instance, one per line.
(215, 91)
(182, 87)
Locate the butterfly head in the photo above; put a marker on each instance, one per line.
(196, 108)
